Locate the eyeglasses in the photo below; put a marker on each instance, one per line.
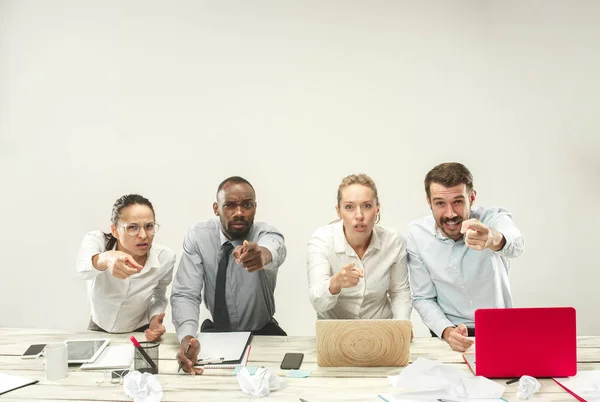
(132, 229)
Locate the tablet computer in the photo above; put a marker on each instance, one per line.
(85, 350)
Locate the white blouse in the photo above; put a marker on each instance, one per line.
(122, 305)
(382, 293)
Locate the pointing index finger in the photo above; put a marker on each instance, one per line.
(128, 260)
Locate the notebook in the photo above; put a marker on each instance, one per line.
(512, 342)
(11, 382)
(222, 348)
(116, 356)
(363, 343)
(243, 363)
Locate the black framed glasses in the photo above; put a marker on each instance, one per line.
(132, 229)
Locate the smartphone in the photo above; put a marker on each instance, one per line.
(33, 352)
(292, 361)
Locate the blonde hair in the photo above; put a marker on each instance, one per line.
(363, 180)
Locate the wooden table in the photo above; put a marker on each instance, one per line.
(324, 384)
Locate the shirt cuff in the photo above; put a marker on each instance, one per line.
(439, 328)
(155, 311)
(186, 329)
(88, 270)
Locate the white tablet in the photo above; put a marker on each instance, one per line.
(85, 350)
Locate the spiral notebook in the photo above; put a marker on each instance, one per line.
(243, 363)
(223, 349)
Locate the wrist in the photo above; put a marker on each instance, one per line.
(334, 288)
(446, 333)
(265, 256)
(99, 262)
(186, 339)
(498, 241)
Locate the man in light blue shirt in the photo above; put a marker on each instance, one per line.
(458, 257)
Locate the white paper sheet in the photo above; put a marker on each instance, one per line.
(427, 379)
(584, 384)
(10, 382)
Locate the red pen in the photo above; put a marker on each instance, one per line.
(143, 352)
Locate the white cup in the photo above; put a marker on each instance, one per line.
(57, 366)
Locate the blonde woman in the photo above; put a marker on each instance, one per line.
(356, 268)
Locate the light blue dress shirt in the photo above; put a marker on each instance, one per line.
(449, 281)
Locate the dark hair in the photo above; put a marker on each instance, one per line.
(235, 180)
(124, 202)
(449, 174)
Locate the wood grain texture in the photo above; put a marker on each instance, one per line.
(363, 343)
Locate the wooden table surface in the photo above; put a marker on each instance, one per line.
(324, 384)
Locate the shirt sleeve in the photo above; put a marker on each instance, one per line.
(93, 243)
(399, 290)
(186, 294)
(424, 292)
(319, 275)
(504, 224)
(159, 301)
(273, 241)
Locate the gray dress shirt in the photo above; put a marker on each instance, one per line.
(249, 295)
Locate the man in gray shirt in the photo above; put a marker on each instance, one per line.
(231, 262)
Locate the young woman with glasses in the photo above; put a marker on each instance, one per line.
(127, 274)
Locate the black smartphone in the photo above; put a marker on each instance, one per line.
(292, 361)
(33, 351)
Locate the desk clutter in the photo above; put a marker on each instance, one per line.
(434, 372)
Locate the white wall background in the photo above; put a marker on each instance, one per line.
(99, 99)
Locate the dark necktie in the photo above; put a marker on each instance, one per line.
(221, 315)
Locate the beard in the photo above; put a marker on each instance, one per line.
(238, 229)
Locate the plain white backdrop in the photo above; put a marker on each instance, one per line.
(166, 99)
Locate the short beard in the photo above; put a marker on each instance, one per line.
(238, 235)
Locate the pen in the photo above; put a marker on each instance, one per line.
(210, 361)
(187, 349)
(143, 352)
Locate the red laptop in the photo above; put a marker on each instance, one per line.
(511, 342)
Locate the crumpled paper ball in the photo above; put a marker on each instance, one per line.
(260, 384)
(527, 387)
(142, 387)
